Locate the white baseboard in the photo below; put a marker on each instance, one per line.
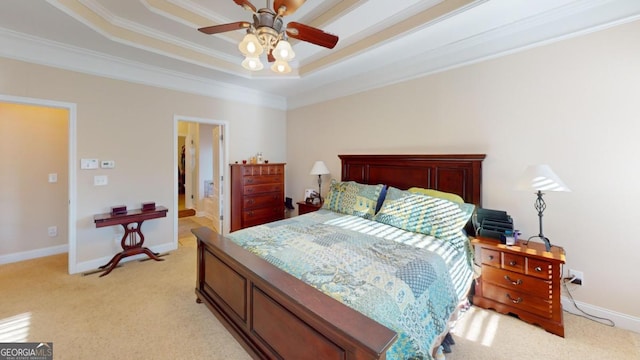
(94, 264)
(621, 320)
(33, 254)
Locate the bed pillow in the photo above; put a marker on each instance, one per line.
(423, 213)
(436, 193)
(352, 198)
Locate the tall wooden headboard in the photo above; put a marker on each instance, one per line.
(459, 174)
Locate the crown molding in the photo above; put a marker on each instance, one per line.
(35, 50)
(578, 19)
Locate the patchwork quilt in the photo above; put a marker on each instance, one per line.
(408, 282)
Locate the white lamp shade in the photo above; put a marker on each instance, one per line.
(281, 67)
(540, 177)
(283, 51)
(250, 46)
(252, 63)
(319, 168)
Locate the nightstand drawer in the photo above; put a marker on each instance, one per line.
(517, 281)
(519, 300)
(539, 268)
(513, 262)
(491, 257)
(304, 208)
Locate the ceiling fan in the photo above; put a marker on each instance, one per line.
(267, 33)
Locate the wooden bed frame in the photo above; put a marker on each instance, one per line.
(276, 316)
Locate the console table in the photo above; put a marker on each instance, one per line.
(132, 240)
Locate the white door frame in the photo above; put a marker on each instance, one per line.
(221, 170)
(71, 216)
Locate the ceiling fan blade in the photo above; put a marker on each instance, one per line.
(246, 4)
(312, 35)
(215, 29)
(290, 6)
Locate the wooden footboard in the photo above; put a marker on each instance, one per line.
(276, 316)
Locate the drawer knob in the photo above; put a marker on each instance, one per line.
(250, 202)
(513, 263)
(515, 301)
(490, 257)
(517, 282)
(249, 181)
(538, 269)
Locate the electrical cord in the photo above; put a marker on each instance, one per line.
(584, 314)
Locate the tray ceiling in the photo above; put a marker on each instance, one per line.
(381, 42)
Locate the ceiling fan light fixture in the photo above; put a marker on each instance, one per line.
(283, 51)
(267, 33)
(252, 63)
(250, 46)
(281, 67)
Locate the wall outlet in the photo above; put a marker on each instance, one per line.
(579, 277)
(52, 231)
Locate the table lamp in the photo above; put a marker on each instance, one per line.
(319, 168)
(541, 178)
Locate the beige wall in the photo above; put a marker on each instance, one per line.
(34, 145)
(571, 104)
(134, 126)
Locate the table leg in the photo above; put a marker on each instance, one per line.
(130, 246)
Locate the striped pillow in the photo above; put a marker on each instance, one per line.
(423, 214)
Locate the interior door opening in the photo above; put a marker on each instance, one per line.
(200, 153)
(51, 231)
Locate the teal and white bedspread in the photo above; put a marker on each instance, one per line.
(411, 283)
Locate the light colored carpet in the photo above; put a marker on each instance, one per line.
(141, 310)
(486, 335)
(147, 310)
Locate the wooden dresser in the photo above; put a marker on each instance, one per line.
(257, 194)
(521, 279)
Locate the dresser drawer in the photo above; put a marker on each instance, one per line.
(263, 188)
(262, 179)
(517, 281)
(518, 300)
(262, 215)
(539, 268)
(490, 257)
(266, 200)
(254, 170)
(513, 262)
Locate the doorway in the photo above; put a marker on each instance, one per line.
(61, 173)
(200, 153)
(183, 210)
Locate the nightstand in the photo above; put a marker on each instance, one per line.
(304, 208)
(522, 279)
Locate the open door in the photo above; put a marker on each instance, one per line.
(204, 170)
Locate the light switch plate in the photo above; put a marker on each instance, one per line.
(53, 178)
(88, 164)
(100, 180)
